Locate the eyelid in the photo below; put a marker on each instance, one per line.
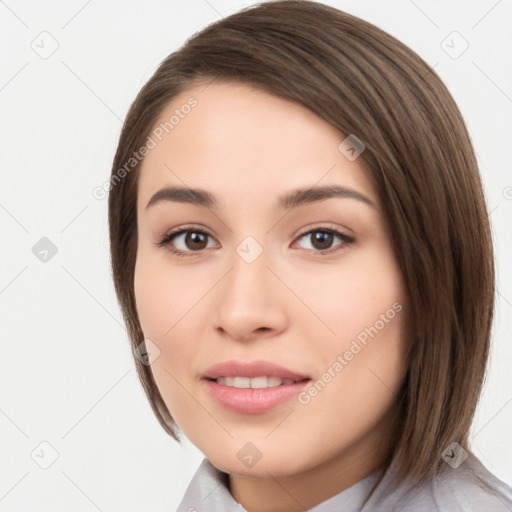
(320, 226)
(180, 230)
(165, 240)
(346, 239)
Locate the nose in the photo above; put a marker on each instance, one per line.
(250, 301)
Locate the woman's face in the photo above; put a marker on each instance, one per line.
(309, 284)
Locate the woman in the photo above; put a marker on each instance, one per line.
(302, 254)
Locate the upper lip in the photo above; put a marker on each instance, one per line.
(251, 369)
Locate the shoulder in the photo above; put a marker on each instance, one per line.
(471, 487)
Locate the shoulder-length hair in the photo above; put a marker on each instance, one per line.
(419, 155)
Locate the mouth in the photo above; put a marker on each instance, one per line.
(252, 387)
(244, 373)
(262, 382)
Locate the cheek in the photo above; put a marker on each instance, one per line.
(159, 295)
(169, 309)
(164, 312)
(353, 301)
(361, 361)
(361, 367)
(151, 301)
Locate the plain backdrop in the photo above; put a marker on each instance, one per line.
(69, 396)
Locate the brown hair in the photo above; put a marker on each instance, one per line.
(420, 157)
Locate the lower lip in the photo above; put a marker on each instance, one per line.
(253, 401)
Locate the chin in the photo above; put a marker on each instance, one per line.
(279, 464)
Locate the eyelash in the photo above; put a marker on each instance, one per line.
(168, 237)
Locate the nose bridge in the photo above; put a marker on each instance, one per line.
(249, 278)
(248, 297)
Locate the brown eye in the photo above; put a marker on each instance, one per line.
(195, 241)
(322, 240)
(185, 242)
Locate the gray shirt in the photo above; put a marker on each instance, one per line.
(469, 488)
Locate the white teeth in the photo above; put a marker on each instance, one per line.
(254, 383)
(272, 382)
(259, 382)
(242, 382)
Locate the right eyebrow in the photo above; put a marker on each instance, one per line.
(184, 195)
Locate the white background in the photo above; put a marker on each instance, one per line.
(67, 375)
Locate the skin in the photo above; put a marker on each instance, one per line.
(292, 306)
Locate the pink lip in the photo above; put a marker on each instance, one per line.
(251, 369)
(252, 401)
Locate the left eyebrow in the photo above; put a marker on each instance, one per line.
(307, 195)
(294, 199)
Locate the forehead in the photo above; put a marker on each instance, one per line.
(230, 137)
